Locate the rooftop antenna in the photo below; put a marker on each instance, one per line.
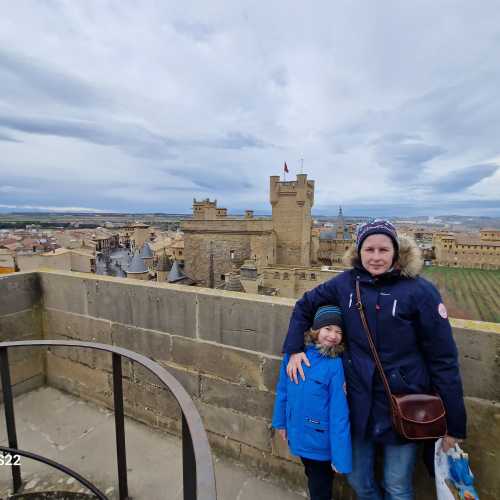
(302, 165)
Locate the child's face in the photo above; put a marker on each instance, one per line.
(330, 335)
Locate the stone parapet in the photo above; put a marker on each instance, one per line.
(224, 348)
(20, 319)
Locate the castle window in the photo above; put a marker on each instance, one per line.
(302, 276)
(276, 276)
(285, 276)
(313, 276)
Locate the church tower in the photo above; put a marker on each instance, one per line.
(291, 203)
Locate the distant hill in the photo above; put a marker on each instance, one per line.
(468, 293)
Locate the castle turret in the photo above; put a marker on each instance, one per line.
(291, 207)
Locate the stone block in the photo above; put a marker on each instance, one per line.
(236, 426)
(170, 425)
(141, 414)
(154, 345)
(270, 372)
(189, 379)
(23, 325)
(25, 386)
(289, 473)
(64, 292)
(222, 445)
(75, 354)
(143, 305)
(255, 324)
(78, 379)
(18, 354)
(229, 363)
(57, 324)
(25, 369)
(280, 448)
(479, 353)
(482, 444)
(19, 291)
(155, 399)
(247, 400)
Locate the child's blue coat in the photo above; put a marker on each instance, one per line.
(315, 412)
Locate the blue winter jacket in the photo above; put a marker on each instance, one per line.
(413, 338)
(314, 412)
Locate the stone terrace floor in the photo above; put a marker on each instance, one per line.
(81, 436)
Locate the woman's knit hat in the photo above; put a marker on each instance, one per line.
(377, 226)
(327, 315)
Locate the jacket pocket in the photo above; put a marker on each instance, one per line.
(317, 387)
(316, 435)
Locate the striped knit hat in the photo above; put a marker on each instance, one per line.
(327, 315)
(377, 226)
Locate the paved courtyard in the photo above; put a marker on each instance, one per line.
(81, 435)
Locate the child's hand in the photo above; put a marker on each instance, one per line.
(282, 433)
(295, 365)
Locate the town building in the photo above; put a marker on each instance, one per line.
(465, 250)
(335, 241)
(62, 259)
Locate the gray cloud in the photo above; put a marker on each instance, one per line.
(133, 139)
(42, 78)
(214, 179)
(238, 140)
(461, 179)
(8, 138)
(405, 159)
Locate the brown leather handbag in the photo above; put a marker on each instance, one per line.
(414, 416)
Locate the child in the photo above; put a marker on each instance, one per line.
(313, 415)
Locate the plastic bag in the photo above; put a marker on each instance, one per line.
(454, 479)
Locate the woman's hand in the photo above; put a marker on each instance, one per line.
(295, 365)
(449, 442)
(282, 434)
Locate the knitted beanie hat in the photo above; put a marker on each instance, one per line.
(327, 315)
(377, 226)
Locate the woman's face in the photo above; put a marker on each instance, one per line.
(377, 253)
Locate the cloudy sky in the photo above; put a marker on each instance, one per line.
(141, 106)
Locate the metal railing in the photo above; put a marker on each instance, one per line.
(197, 466)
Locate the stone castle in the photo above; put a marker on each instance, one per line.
(285, 250)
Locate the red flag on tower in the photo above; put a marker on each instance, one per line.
(285, 168)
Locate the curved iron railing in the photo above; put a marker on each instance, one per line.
(197, 466)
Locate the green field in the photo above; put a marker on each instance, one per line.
(468, 293)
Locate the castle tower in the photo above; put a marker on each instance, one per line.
(291, 203)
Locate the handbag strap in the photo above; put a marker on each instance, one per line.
(360, 307)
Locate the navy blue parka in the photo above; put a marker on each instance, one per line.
(412, 334)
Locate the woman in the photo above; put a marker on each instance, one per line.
(413, 338)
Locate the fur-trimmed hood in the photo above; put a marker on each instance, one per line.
(409, 261)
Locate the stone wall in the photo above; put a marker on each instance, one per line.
(242, 238)
(20, 319)
(224, 348)
(294, 282)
